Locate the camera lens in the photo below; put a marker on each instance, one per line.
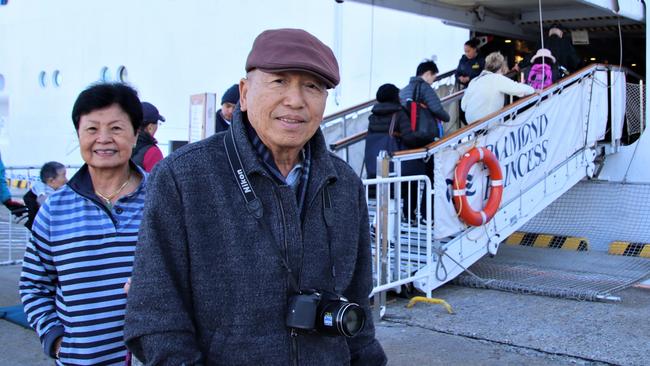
(341, 318)
(353, 320)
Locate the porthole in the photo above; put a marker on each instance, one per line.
(105, 74)
(42, 79)
(56, 78)
(122, 74)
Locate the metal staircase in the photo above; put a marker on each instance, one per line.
(575, 123)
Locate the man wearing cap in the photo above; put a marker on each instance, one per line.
(236, 225)
(228, 103)
(562, 48)
(146, 153)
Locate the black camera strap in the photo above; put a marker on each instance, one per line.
(255, 208)
(253, 203)
(328, 214)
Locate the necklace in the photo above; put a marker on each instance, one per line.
(107, 199)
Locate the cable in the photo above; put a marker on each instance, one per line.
(541, 33)
(372, 42)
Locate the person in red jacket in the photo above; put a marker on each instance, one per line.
(146, 153)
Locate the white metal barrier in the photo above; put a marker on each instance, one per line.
(400, 212)
(13, 239)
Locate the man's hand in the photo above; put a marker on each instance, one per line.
(17, 208)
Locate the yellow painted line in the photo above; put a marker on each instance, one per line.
(549, 241)
(572, 243)
(543, 241)
(515, 238)
(645, 252)
(17, 183)
(617, 248)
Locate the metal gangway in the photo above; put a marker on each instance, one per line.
(545, 143)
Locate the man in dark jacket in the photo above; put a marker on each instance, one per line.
(388, 111)
(228, 102)
(421, 83)
(235, 224)
(562, 48)
(146, 152)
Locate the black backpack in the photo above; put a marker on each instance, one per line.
(422, 120)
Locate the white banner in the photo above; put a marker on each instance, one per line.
(528, 147)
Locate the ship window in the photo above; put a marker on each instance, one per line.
(2, 82)
(105, 74)
(42, 79)
(122, 74)
(56, 78)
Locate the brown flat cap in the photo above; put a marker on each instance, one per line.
(287, 49)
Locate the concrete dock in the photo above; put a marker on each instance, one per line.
(488, 328)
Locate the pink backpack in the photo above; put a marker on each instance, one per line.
(540, 76)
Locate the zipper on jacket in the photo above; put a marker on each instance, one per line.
(294, 346)
(292, 333)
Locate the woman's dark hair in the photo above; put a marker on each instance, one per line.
(50, 170)
(426, 66)
(388, 93)
(474, 42)
(103, 95)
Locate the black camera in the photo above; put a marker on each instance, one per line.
(325, 313)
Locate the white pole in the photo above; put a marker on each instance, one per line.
(641, 114)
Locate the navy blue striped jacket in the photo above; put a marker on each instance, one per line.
(75, 268)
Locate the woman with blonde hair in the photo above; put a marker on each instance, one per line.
(486, 93)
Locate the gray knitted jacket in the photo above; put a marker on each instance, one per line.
(208, 285)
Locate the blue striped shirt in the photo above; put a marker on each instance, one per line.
(75, 269)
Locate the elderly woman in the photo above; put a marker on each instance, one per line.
(486, 93)
(84, 236)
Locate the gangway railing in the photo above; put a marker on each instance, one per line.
(544, 143)
(350, 125)
(354, 120)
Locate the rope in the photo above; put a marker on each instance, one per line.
(541, 33)
(442, 302)
(372, 42)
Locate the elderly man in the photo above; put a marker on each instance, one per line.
(254, 247)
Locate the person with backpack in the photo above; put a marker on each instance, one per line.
(146, 153)
(543, 71)
(486, 93)
(389, 128)
(421, 101)
(562, 49)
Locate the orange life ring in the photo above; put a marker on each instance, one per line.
(466, 213)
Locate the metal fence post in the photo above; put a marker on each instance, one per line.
(641, 100)
(383, 198)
